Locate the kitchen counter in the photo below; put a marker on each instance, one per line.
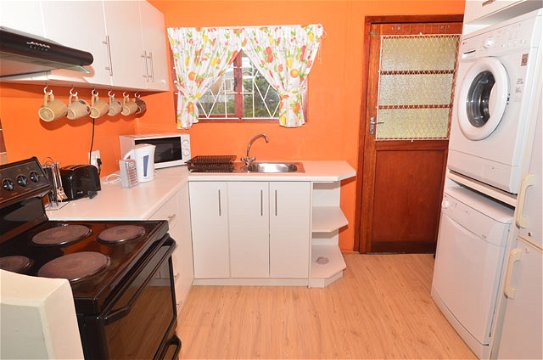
(315, 171)
(141, 201)
(114, 202)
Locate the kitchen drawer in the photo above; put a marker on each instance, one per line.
(169, 211)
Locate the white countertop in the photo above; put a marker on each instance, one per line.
(315, 171)
(140, 202)
(116, 202)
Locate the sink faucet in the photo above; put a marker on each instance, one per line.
(248, 160)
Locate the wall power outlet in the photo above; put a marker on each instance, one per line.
(94, 156)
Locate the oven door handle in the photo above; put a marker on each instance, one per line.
(125, 310)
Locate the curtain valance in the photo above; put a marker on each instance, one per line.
(283, 55)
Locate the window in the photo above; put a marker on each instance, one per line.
(242, 93)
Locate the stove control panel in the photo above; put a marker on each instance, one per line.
(22, 179)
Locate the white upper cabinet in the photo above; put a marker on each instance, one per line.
(125, 45)
(155, 52)
(127, 40)
(22, 15)
(84, 29)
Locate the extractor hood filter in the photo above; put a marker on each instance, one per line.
(21, 53)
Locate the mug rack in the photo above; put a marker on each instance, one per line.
(55, 109)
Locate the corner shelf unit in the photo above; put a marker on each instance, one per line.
(327, 263)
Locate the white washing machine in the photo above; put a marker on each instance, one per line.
(473, 232)
(494, 95)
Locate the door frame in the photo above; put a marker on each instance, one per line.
(360, 243)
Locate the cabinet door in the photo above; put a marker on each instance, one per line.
(522, 325)
(182, 258)
(79, 24)
(290, 229)
(248, 214)
(24, 16)
(125, 45)
(153, 34)
(209, 217)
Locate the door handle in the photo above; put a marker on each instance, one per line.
(520, 219)
(220, 207)
(373, 123)
(108, 45)
(514, 256)
(275, 202)
(261, 203)
(146, 75)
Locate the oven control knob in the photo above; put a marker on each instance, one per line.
(34, 177)
(22, 180)
(8, 185)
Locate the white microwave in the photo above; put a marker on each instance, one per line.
(170, 149)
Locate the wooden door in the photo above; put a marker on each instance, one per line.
(290, 229)
(249, 228)
(405, 134)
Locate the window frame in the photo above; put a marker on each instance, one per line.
(238, 100)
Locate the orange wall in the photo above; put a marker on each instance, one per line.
(335, 86)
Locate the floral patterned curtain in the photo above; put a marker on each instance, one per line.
(201, 56)
(284, 56)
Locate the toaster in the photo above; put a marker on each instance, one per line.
(80, 181)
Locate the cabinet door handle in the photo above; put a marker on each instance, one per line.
(514, 256)
(152, 73)
(520, 219)
(261, 203)
(220, 207)
(275, 202)
(146, 75)
(108, 45)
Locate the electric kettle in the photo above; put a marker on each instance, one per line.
(144, 155)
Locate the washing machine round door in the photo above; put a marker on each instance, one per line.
(482, 99)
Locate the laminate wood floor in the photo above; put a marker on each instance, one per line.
(381, 308)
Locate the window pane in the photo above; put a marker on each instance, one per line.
(400, 124)
(219, 101)
(260, 100)
(407, 89)
(419, 52)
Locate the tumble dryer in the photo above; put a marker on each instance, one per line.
(494, 97)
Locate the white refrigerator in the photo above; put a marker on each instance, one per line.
(521, 330)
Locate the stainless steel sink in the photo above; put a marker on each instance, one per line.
(275, 167)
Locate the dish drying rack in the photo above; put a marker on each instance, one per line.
(212, 163)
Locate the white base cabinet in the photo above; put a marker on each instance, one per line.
(176, 211)
(251, 230)
(209, 220)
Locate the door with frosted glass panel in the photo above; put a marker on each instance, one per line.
(408, 105)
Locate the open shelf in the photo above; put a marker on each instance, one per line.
(328, 218)
(323, 274)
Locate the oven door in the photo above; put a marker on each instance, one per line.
(140, 323)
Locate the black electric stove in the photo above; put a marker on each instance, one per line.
(115, 268)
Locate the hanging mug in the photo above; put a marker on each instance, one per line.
(115, 105)
(98, 107)
(77, 107)
(51, 109)
(142, 107)
(129, 107)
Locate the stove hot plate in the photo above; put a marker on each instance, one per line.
(121, 233)
(75, 266)
(16, 263)
(61, 235)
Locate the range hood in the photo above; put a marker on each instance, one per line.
(22, 53)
